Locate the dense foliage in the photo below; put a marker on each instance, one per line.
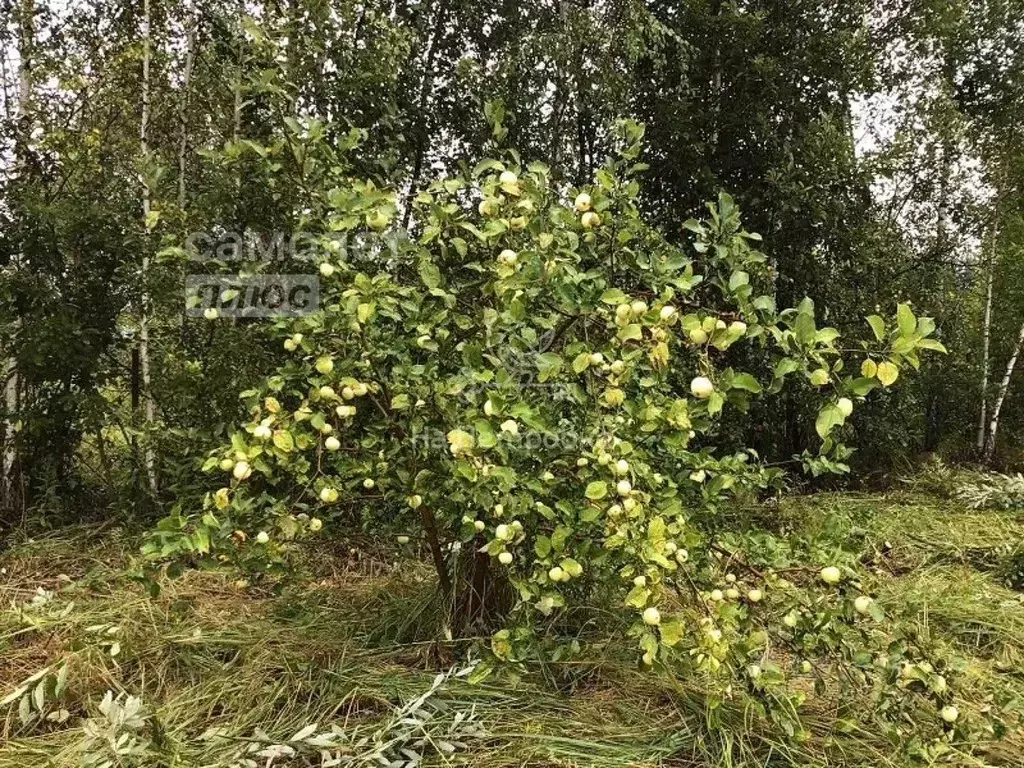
(548, 355)
(873, 145)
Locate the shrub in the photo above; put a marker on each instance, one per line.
(535, 373)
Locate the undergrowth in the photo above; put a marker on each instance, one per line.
(210, 672)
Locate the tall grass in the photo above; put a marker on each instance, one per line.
(219, 668)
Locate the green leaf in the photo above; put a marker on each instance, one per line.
(786, 366)
(932, 344)
(581, 363)
(429, 274)
(283, 441)
(485, 434)
(613, 296)
(877, 326)
(826, 336)
(632, 332)
(747, 382)
(905, 320)
(828, 417)
(399, 402)
(549, 364)
(671, 631)
(715, 403)
(542, 546)
(598, 489)
(804, 328)
(571, 567)
(737, 280)
(637, 597)
(861, 385)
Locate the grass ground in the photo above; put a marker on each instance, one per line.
(227, 675)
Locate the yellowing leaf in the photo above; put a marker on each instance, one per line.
(283, 440)
(671, 631)
(887, 373)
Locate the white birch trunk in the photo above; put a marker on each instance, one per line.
(26, 42)
(1004, 386)
(986, 334)
(190, 52)
(144, 355)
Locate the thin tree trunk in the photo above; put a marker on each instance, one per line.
(192, 21)
(434, 542)
(437, 27)
(26, 45)
(144, 356)
(1004, 386)
(986, 334)
(716, 80)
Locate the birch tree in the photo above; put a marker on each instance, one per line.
(1004, 387)
(986, 334)
(26, 42)
(144, 351)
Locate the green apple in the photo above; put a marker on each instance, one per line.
(831, 575)
(698, 336)
(701, 387)
(652, 617)
(582, 202)
(377, 220)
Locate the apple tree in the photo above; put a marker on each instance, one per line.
(535, 378)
